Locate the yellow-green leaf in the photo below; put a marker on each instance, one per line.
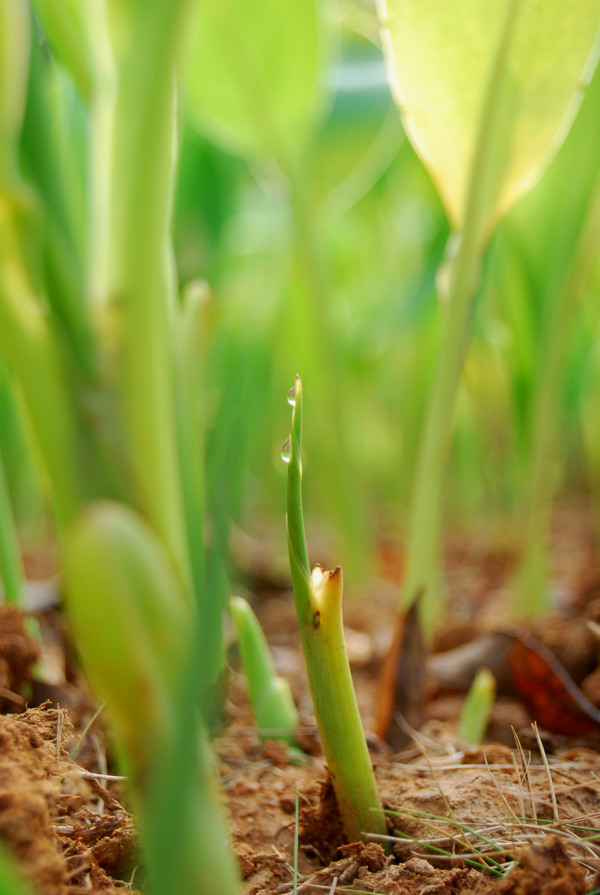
(251, 73)
(488, 90)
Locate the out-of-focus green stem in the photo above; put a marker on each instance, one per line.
(135, 119)
(29, 348)
(189, 355)
(461, 281)
(11, 564)
(530, 590)
(318, 601)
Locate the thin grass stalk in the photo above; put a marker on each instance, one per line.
(463, 275)
(530, 595)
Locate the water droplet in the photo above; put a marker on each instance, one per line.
(291, 396)
(286, 450)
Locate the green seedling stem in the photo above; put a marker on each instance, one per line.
(531, 591)
(460, 280)
(318, 599)
(270, 695)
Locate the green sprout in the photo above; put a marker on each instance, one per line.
(477, 707)
(270, 695)
(318, 599)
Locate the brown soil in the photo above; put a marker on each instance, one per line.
(517, 816)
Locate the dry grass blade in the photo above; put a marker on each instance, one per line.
(547, 766)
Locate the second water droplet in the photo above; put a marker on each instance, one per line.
(286, 450)
(291, 396)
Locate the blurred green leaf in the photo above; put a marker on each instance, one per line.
(128, 614)
(14, 62)
(501, 79)
(11, 881)
(63, 25)
(251, 73)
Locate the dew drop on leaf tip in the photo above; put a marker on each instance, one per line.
(291, 396)
(286, 450)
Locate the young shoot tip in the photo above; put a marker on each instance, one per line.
(327, 586)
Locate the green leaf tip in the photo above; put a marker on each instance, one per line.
(291, 453)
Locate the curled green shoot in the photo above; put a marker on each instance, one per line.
(270, 695)
(318, 599)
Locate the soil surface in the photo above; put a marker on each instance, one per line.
(519, 814)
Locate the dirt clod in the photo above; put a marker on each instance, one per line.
(546, 869)
(19, 651)
(50, 819)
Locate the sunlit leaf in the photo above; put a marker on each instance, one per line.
(490, 85)
(251, 73)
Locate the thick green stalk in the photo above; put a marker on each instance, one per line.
(133, 289)
(462, 272)
(531, 592)
(318, 601)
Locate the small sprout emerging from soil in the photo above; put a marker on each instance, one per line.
(270, 695)
(318, 598)
(477, 707)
